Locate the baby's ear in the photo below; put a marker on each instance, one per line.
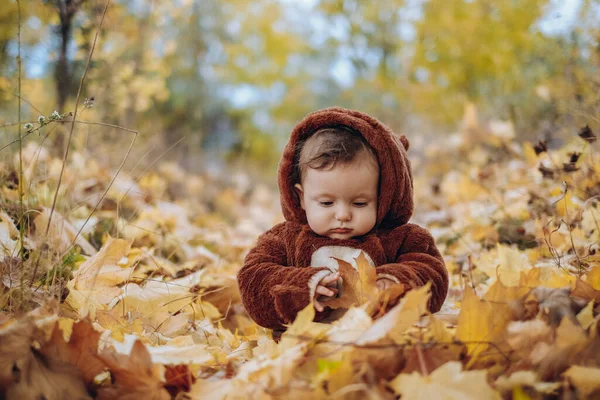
(300, 193)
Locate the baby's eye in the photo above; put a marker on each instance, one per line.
(360, 204)
(326, 203)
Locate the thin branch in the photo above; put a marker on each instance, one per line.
(77, 122)
(21, 210)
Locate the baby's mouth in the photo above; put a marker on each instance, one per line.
(341, 230)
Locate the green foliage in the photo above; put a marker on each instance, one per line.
(63, 271)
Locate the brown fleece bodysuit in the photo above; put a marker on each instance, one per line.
(281, 273)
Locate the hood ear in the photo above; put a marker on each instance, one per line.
(405, 142)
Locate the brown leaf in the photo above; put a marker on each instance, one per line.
(586, 134)
(426, 360)
(540, 147)
(551, 304)
(178, 378)
(546, 172)
(585, 291)
(26, 373)
(570, 167)
(81, 351)
(133, 376)
(359, 285)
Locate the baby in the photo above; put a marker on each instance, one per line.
(346, 186)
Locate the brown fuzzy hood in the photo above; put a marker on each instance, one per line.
(395, 205)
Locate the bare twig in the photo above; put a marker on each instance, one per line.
(21, 211)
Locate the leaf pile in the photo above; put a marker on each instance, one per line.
(139, 300)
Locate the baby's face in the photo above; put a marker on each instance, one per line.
(341, 202)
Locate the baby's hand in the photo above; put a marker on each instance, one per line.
(326, 288)
(384, 283)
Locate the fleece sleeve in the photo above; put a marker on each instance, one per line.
(273, 292)
(417, 262)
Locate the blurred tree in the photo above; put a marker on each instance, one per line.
(63, 71)
(369, 36)
(237, 75)
(476, 51)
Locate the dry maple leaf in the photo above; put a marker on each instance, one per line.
(480, 322)
(81, 351)
(133, 376)
(359, 285)
(27, 373)
(585, 291)
(399, 318)
(448, 382)
(585, 379)
(178, 378)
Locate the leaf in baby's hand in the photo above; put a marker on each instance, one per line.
(359, 285)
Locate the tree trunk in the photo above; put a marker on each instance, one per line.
(63, 73)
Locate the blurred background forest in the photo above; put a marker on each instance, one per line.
(224, 81)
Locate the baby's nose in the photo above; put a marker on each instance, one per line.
(343, 214)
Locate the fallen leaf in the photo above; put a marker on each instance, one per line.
(480, 322)
(593, 278)
(585, 291)
(81, 350)
(448, 382)
(399, 318)
(585, 379)
(586, 316)
(178, 378)
(133, 376)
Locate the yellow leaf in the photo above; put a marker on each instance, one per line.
(303, 326)
(525, 378)
(439, 332)
(529, 153)
(102, 267)
(448, 382)
(500, 293)
(586, 316)
(519, 394)
(585, 379)
(399, 318)
(593, 278)
(478, 321)
(566, 207)
(530, 278)
(512, 262)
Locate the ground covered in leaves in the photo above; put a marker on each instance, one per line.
(128, 290)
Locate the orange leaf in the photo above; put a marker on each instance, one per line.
(585, 291)
(358, 285)
(133, 376)
(81, 351)
(179, 379)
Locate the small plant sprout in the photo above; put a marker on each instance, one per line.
(28, 127)
(42, 120)
(55, 115)
(88, 103)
